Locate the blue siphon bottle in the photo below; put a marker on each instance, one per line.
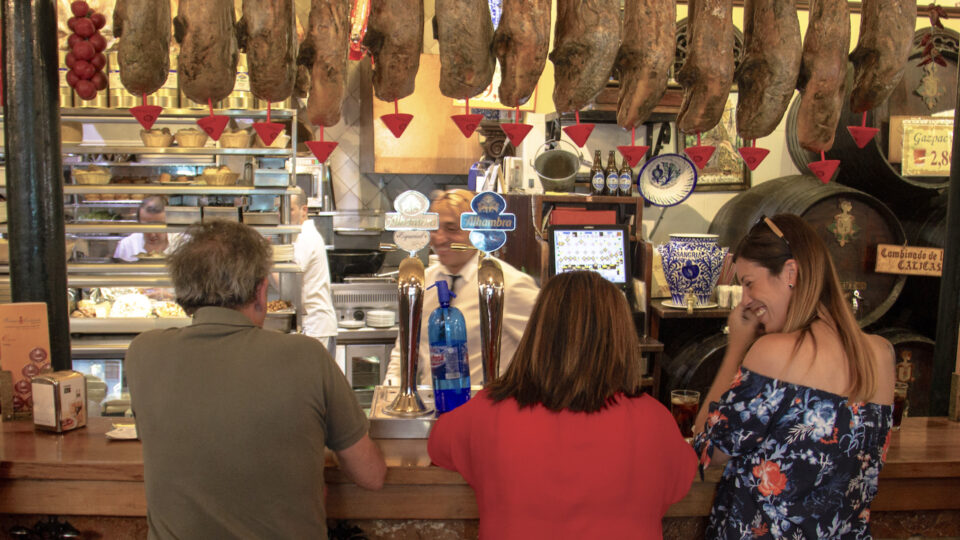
(449, 361)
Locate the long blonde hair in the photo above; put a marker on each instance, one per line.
(816, 294)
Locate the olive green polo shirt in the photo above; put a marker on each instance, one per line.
(234, 420)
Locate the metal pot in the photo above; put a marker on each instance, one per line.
(350, 262)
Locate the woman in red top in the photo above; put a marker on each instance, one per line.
(565, 444)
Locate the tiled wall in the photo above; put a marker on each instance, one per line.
(355, 190)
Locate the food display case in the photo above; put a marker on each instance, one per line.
(107, 175)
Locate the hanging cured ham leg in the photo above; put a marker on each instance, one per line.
(768, 71)
(822, 81)
(586, 40)
(326, 48)
(521, 44)
(465, 32)
(645, 58)
(707, 72)
(143, 27)
(266, 33)
(394, 38)
(886, 37)
(207, 65)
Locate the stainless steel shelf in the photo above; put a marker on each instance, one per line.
(131, 325)
(97, 348)
(160, 189)
(79, 113)
(127, 228)
(173, 150)
(140, 268)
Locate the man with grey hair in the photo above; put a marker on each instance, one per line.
(234, 418)
(310, 252)
(152, 210)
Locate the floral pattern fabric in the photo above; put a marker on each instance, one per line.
(804, 462)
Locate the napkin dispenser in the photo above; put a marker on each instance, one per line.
(59, 401)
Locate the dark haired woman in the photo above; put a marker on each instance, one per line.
(806, 419)
(565, 444)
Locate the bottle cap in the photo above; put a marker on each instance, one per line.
(443, 291)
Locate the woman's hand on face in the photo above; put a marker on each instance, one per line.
(744, 327)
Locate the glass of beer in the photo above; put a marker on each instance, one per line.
(899, 403)
(684, 404)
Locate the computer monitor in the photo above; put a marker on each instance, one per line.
(605, 249)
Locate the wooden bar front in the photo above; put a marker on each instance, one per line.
(81, 473)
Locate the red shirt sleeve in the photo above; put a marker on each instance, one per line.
(449, 441)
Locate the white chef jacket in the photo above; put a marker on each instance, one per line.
(310, 252)
(519, 294)
(128, 248)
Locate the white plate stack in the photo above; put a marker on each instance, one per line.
(381, 318)
(282, 252)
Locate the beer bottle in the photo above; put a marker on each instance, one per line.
(612, 175)
(597, 177)
(626, 180)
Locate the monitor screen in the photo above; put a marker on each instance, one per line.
(601, 248)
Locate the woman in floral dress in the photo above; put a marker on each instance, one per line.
(801, 405)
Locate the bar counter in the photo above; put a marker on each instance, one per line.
(81, 473)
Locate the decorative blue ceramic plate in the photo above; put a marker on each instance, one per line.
(667, 179)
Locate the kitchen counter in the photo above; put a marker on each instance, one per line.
(82, 473)
(367, 334)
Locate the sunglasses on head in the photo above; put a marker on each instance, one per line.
(776, 230)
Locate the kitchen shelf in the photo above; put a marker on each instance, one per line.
(173, 150)
(125, 325)
(142, 268)
(159, 189)
(131, 227)
(115, 115)
(98, 348)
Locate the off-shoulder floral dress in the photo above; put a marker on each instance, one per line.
(804, 463)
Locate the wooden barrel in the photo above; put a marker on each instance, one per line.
(914, 357)
(916, 307)
(869, 168)
(693, 365)
(828, 208)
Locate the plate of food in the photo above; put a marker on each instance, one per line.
(667, 179)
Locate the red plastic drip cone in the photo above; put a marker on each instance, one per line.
(824, 169)
(146, 114)
(467, 123)
(753, 155)
(516, 132)
(213, 125)
(862, 135)
(700, 155)
(397, 122)
(268, 131)
(321, 149)
(633, 154)
(579, 133)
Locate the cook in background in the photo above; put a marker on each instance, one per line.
(234, 418)
(151, 210)
(801, 404)
(310, 252)
(571, 397)
(520, 292)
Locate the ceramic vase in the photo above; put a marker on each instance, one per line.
(691, 264)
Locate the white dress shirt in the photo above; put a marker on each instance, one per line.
(128, 248)
(519, 294)
(310, 252)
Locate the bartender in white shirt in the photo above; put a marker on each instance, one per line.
(151, 210)
(310, 252)
(459, 269)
